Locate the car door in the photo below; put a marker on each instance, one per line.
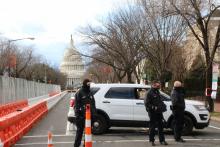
(140, 113)
(119, 100)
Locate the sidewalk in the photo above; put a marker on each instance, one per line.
(216, 109)
(215, 118)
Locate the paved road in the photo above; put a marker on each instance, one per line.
(56, 122)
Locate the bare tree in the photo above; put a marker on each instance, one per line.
(109, 60)
(24, 58)
(38, 70)
(2, 56)
(178, 64)
(8, 57)
(117, 42)
(26, 64)
(197, 14)
(33, 68)
(100, 72)
(14, 59)
(162, 33)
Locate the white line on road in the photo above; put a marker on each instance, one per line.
(196, 139)
(70, 127)
(116, 141)
(40, 136)
(42, 143)
(214, 127)
(145, 129)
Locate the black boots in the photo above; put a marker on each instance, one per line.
(163, 143)
(180, 140)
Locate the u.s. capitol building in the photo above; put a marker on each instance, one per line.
(72, 66)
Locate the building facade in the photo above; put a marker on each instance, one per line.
(72, 66)
(192, 46)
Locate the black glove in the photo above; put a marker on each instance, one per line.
(154, 108)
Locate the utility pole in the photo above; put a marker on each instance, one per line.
(45, 74)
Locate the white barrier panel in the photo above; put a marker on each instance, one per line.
(51, 101)
(14, 89)
(1, 144)
(32, 101)
(40, 106)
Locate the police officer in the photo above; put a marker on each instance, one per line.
(82, 97)
(155, 108)
(178, 108)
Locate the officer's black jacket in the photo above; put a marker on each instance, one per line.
(177, 97)
(153, 102)
(83, 97)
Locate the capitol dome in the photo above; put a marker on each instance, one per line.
(72, 65)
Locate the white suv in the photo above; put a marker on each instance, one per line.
(123, 105)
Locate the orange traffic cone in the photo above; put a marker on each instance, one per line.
(88, 136)
(50, 144)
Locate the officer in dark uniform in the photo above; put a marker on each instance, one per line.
(82, 97)
(178, 108)
(155, 108)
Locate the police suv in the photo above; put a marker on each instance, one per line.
(122, 105)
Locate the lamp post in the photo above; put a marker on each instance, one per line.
(12, 57)
(44, 66)
(30, 38)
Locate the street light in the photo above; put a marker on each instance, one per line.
(45, 73)
(11, 57)
(30, 38)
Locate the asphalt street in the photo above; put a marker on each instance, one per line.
(56, 122)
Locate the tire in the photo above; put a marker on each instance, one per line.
(71, 119)
(99, 125)
(172, 125)
(187, 127)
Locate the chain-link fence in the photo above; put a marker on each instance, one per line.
(12, 89)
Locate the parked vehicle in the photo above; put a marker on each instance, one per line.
(122, 105)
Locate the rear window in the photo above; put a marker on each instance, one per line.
(94, 90)
(140, 93)
(120, 93)
(164, 96)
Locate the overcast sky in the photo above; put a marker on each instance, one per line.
(51, 22)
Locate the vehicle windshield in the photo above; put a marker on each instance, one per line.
(94, 90)
(166, 96)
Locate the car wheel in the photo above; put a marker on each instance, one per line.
(187, 126)
(172, 125)
(99, 125)
(72, 120)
